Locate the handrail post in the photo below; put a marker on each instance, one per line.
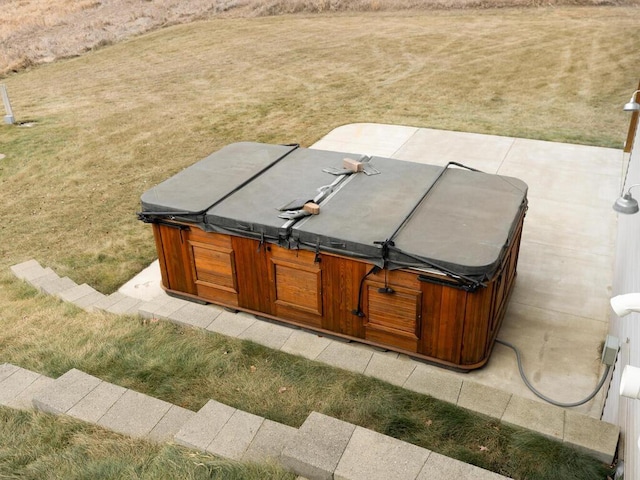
(631, 134)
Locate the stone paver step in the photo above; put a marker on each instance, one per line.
(161, 308)
(29, 270)
(18, 386)
(195, 315)
(88, 301)
(231, 433)
(318, 446)
(439, 466)
(109, 301)
(577, 430)
(57, 285)
(75, 292)
(372, 456)
(48, 277)
(323, 447)
(269, 441)
(88, 398)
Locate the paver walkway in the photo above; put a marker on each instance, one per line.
(322, 448)
(577, 430)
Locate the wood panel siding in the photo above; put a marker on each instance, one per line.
(252, 272)
(443, 317)
(175, 262)
(476, 320)
(341, 285)
(296, 285)
(424, 314)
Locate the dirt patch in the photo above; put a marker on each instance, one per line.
(39, 31)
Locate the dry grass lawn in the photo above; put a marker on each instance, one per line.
(55, 447)
(37, 31)
(111, 123)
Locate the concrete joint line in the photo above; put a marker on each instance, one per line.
(242, 332)
(160, 419)
(345, 448)
(506, 408)
(404, 143)
(97, 422)
(459, 392)
(365, 369)
(322, 351)
(81, 399)
(506, 155)
(221, 429)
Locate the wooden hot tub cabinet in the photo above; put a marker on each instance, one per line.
(425, 310)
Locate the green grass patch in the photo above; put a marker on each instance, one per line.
(188, 367)
(60, 447)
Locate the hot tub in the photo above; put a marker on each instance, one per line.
(415, 258)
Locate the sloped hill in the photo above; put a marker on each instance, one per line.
(38, 31)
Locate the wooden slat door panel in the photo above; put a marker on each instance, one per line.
(214, 267)
(175, 262)
(392, 318)
(296, 285)
(252, 271)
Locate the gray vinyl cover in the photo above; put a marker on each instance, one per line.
(254, 208)
(464, 224)
(434, 216)
(367, 209)
(198, 187)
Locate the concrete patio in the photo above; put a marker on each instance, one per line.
(559, 310)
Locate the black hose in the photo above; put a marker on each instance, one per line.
(358, 311)
(544, 397)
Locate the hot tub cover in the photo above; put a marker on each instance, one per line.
(449, 219)
(195, 189)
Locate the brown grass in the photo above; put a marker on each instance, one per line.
(57, 447)
(40, 31)
(112, 123)
(280, 7)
